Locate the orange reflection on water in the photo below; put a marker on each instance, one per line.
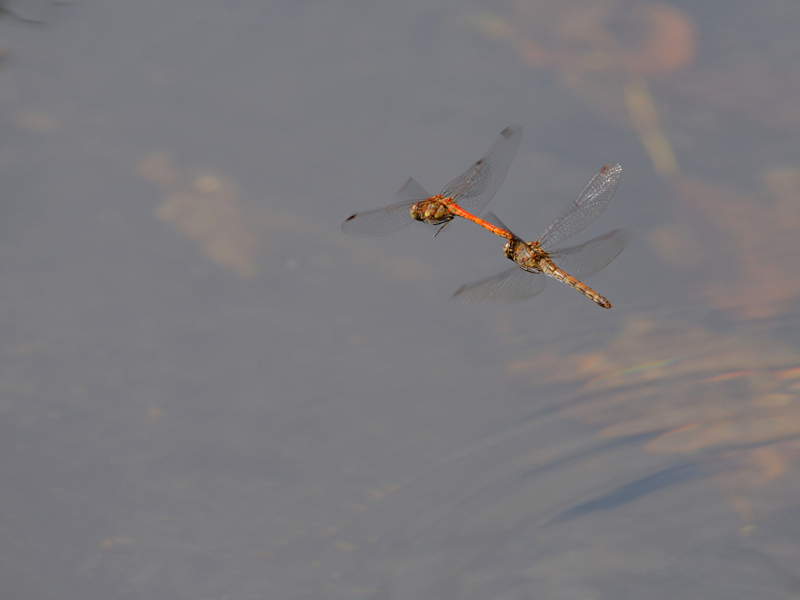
(692, 389)
(206, 209)
(643, 38)
(755, 272)
(605, 50)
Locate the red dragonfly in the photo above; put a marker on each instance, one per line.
(469, 193)
(534, 258)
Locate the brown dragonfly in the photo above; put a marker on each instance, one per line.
(535, 259)
(466, 194)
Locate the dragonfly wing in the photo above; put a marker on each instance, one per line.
(473, 190)
(593, 256)
(383, 221)
(411, 192)
(492, 218)
(583, 211)
(380, 221)
(513, 285)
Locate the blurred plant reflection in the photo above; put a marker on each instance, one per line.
(605, 50)
(692, 390)
(609, 52)
(758, 236)
(206, 209)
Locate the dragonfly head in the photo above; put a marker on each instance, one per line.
(511, 247)
(416, 211)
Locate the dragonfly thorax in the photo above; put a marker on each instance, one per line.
(431, 211)
(526, 255)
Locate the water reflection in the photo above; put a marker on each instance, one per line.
(207, 210)
(611, 54)
(695, 391)
(757, 234)
(605, 52)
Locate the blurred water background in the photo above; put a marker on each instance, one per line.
(208, 391)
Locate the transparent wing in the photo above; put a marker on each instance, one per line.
(492, 218)
(583, 211)
(473, 190)
(31, 11)
(513, 285)
(383, 221)
(593, 256)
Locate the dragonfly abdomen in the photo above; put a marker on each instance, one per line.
(549, 268)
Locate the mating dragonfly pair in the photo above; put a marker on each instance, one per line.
(468, 194)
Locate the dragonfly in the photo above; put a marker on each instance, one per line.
(536, 259)
(467, 194)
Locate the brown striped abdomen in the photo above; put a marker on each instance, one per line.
(549, 267)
